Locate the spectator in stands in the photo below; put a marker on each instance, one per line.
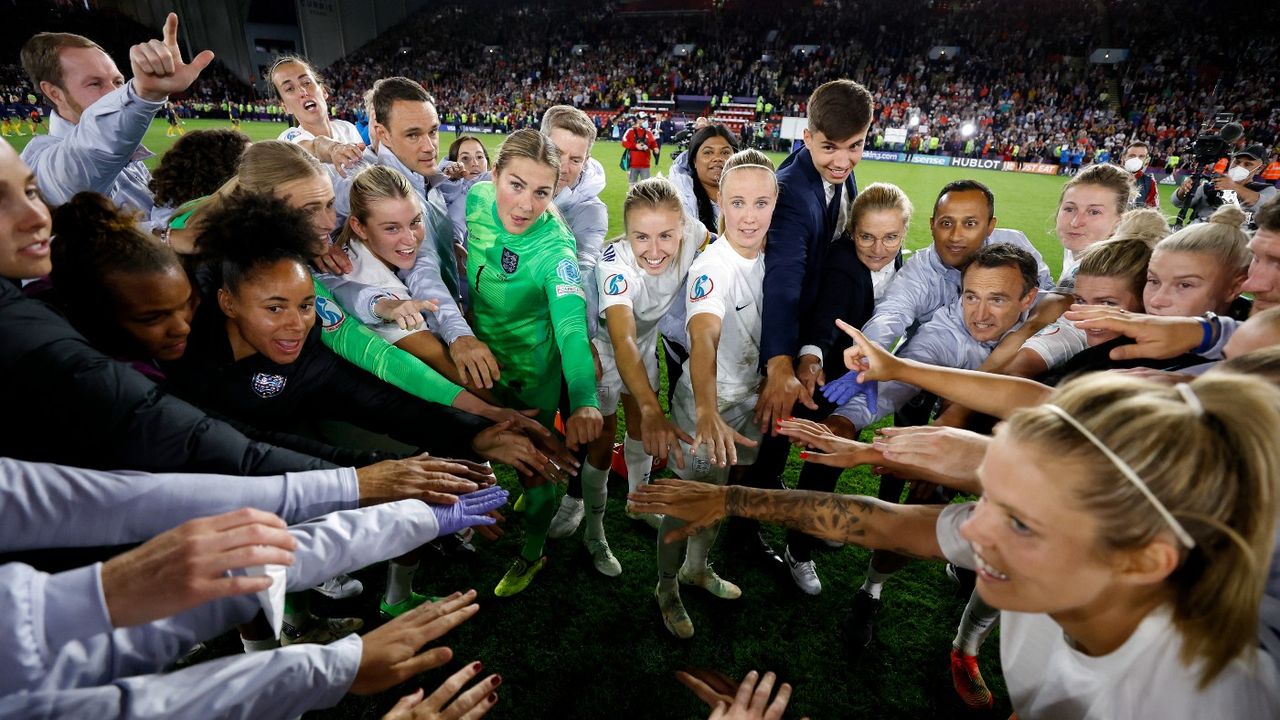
(641, 145)
(99, 119)
(1136, 158)
(334, 141)
(1239, 179)
(196, 166)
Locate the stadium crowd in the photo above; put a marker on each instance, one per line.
(171, 340)
(1020, 87)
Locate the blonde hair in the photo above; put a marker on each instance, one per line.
(1221, 238)
(567, 117)
(1123, 257)
(264, 166)
(1213, 464)
(651, 194)
(529, 144)
(877, 197)
(748, 158)
(369, 186)
(742, 159)
(1145, 223)
(1263, 363)
(1111, 177)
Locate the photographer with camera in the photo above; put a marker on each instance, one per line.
(1207, 196)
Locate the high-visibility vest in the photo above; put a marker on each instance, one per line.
(1272, 173)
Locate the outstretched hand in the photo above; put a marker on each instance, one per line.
(470, 510)
(867, 359)
(158, 69)
(699, 504)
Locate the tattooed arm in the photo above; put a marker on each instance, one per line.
(865, 521)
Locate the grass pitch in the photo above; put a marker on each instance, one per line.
(580, 645)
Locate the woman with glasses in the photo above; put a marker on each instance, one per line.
(858, 268)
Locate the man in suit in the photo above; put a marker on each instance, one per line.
(816, 187)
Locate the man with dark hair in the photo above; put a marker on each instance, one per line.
(95, 133)
(407, 128)
(963, 221)
(1135, 160)
(999, 288)
(816, 187)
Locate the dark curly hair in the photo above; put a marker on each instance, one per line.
(197, 165)
(248, 231)
(95, 240)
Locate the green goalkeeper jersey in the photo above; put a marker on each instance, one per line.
(529, 307)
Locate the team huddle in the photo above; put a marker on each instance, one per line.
(470, 313)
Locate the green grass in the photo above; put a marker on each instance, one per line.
(579, 645)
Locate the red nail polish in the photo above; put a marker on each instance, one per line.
(493, 698)
(477, 667)
(804, 455)
(497, 680)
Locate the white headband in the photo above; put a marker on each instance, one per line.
(1183, 536)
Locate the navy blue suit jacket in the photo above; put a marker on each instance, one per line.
(796, 249)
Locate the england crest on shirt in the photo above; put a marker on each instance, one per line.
(510, 261)
(267, 385)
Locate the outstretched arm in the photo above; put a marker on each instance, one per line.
(865, 521)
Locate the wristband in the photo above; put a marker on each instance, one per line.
(1209, 323)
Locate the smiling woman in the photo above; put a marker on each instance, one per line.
(1129, 575)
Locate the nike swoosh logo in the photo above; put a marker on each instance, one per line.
(739, 309)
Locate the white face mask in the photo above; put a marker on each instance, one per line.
(1239, 174)
(1134, 164)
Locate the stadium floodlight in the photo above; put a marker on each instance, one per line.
(683, 49)
(966, 130)
(578, 50)
(944, 52)
(804, 50)
(1109, 56)
(491, 49)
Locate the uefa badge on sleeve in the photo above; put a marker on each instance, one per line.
(510, 261)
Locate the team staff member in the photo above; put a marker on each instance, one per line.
(95, 135)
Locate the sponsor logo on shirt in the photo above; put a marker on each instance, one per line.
(609, 253)
(562, 290)
(615, 284)
(567, 271)
(510, 261)
(330, 315)
(267, 385)
(701, 288)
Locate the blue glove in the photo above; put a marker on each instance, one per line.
(470, 510)
(842, 390)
